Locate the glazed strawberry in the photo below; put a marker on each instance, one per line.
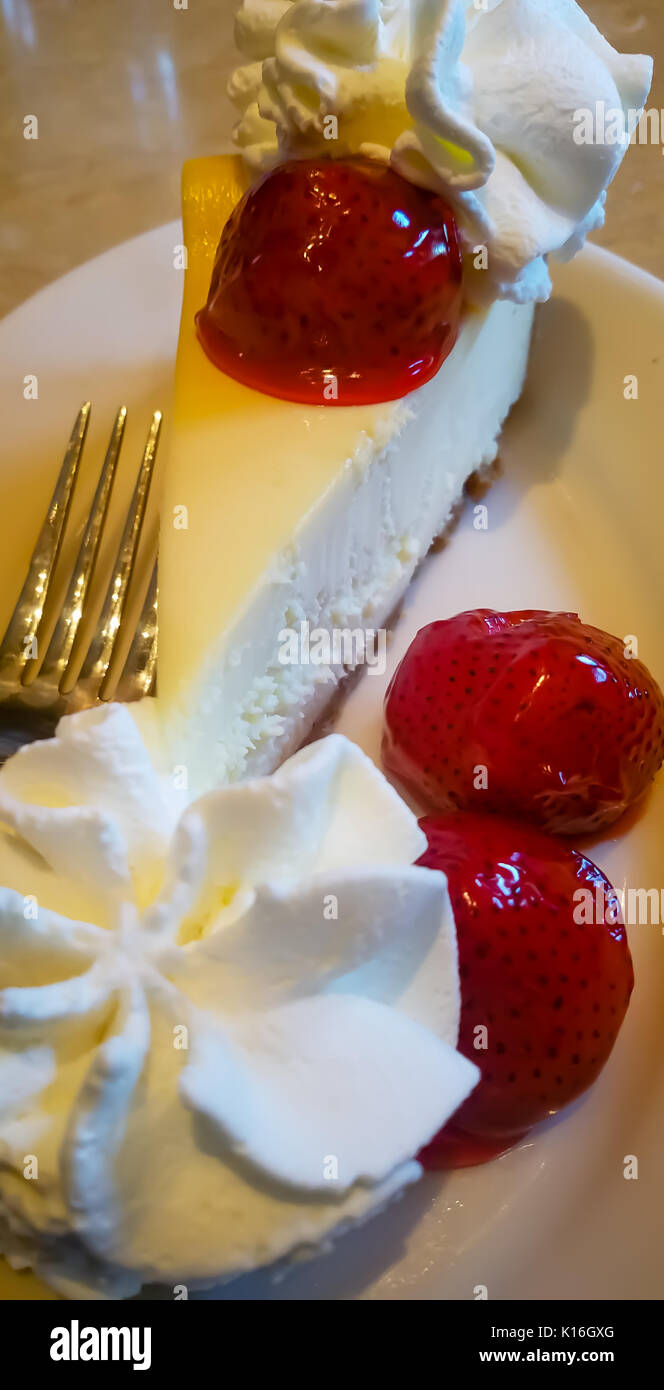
(335, 282)
(529, 714)
(546, 993)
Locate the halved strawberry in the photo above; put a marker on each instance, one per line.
(335, 282)
(544, 983)
(531, 714)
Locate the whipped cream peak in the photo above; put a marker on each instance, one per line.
(477, 104)
(225, 1026)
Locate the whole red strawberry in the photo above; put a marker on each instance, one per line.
(528, 714)
(336, 282)
(546, 976)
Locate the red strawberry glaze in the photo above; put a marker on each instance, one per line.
(453, 1148)
(530, 714)
(335, 282)
(550, 991)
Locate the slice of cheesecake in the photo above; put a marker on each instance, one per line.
(281, 520)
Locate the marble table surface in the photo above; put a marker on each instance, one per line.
(125, 90)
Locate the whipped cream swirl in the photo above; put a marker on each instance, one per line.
(225, 1028)
(475, 101)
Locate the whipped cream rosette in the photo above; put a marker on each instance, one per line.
(225, 1028)
(476, 102)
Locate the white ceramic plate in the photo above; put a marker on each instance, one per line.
(575, 523)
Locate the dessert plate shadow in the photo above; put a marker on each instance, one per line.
(573, 521)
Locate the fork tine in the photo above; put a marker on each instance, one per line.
(15, 648)
(139, 675)
(100, 653)
(60, 647)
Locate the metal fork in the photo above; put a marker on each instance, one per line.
(39, 683)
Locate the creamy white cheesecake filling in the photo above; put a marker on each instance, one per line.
(231, 706)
